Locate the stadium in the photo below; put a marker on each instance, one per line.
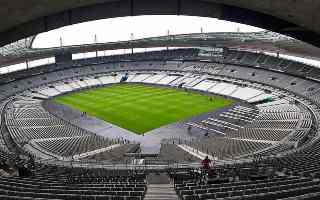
(185, 115)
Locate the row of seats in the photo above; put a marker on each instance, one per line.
(56, 183)
(271, 188)
(29, 122)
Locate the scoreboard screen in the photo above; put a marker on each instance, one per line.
(212, 52)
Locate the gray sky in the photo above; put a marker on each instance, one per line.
(119, 29)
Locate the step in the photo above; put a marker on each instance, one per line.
(160, 192)
(161, 178)
(161, 198)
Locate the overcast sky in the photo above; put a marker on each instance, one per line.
(119, 29)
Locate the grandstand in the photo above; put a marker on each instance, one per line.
(272, 120)
(140, 125)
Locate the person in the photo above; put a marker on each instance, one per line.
(31, 164)
(189, 128)
(206, 166)
(207, 133)
(206, 163)
(31, 161)
(23, 170)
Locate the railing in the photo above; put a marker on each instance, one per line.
(162, 165)
(145, 166)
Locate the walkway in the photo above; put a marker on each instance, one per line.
(97, 151)
(161, 192)
(160, 188)
(195, 152)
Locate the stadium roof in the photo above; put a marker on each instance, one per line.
(257, 41)
(24, 18)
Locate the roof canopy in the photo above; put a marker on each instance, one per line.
(25, 18)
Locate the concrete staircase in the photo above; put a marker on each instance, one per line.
(160, 188)
(161, 192)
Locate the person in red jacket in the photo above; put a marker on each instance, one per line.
(207, 166)
(206, 163)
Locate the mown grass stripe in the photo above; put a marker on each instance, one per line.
(141, 108)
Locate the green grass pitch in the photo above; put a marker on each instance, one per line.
(141, 108)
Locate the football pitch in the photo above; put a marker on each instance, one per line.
(141, 108)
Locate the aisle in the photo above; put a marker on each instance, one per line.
(160, 188)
